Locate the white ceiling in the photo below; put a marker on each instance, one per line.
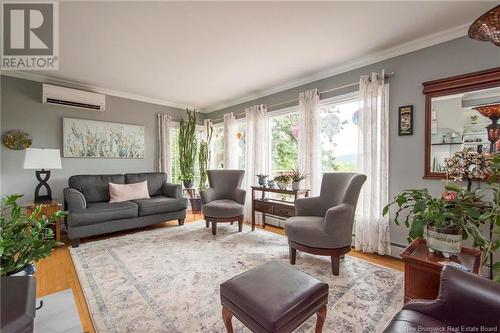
(209, 54)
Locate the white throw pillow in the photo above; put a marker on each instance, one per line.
(126, 192)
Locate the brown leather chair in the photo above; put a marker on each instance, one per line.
(466, 302)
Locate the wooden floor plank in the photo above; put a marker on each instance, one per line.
(57, 272)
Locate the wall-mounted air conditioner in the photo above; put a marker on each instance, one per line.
(73, 97)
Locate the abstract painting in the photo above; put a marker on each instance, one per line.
(90, 138)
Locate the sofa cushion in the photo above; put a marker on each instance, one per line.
(97, 212)
(95, 188)
(222, 208)
(127, 192)
(155, 180)
(308, 230)
(160, 204)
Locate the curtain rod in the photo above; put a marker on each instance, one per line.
(386, 76)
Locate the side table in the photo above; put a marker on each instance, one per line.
(47, 209)
(423, 269)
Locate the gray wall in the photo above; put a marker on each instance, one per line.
(22, 109)
(455, 57)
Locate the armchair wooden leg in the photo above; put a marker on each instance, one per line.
(240, 223)
(232, 223)
(207, 224)
(335, 264)
(293, 254)
(227, 315)
(214, 228)
(321, 314)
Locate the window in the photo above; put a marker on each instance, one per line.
(218, 145)
(339, 135)
(284, 146)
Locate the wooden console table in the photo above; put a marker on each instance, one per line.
(276, 207)
(423, 269)
(48, 209)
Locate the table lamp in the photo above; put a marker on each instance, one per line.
(40, 160)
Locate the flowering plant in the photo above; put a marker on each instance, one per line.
(468, 164)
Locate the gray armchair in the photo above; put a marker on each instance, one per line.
(323, 224)
(224, 200)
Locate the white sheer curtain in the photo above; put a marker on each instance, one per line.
(164, 154)
(230, 142)
(257, 142)
(372, 230)
(309, 140)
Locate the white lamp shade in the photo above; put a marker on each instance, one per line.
(37, 158)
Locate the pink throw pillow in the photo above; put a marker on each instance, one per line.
(126, 192)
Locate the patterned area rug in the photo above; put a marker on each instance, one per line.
(167, 280)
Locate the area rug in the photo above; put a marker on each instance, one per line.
(167, 280)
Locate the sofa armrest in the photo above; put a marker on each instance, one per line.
(74, 199)
(310, 206)
(208, 195)
(464, 299)
(240, 195)
(172, 190)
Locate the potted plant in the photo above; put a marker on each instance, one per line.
(454, 216)
(296, 176)
(187, 148)
(282, 181)
(24, 239)
(262, 179)
(204, 156)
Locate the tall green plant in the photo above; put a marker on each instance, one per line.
(204, 156)
(187, 146)
(23, 239)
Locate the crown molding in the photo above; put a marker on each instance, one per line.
(417, 44)
(92, 88)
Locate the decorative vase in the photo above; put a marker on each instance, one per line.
(282, 185)
(187, 183)
(195, 205)
(262, 181)
(296, 186)
(448, 241)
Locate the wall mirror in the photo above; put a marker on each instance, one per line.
(451, 122)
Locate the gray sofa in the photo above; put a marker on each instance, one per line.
(90, 213)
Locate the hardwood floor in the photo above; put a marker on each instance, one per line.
(57, 273)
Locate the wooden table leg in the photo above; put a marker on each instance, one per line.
(321, 314)
(227, 315)
(263, 220)
(253, 210)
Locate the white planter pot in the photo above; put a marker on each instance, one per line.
(445, 240)
(295, 186)
(282, 185)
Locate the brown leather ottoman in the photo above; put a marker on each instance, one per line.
(274, 297)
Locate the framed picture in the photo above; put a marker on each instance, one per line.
(90, 138)
(406, 120)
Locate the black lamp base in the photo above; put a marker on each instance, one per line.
(40, 199)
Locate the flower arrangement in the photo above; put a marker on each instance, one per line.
(468, 164)
(284, 178)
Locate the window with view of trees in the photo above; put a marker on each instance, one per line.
(338, 134)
